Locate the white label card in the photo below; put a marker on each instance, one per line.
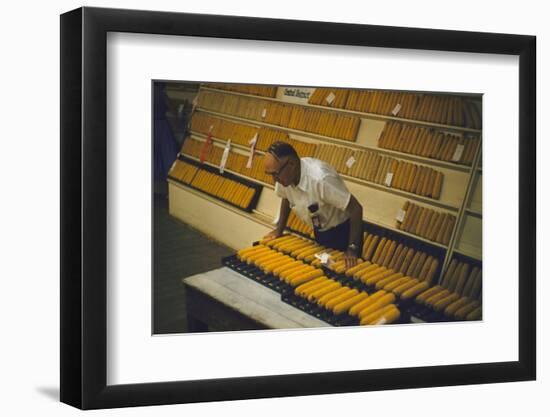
(324, 258)
(458, 153)
(396, 109)
(330, 98)
(252, 143)
(350, 161)
(389, 177)
(400, 215)
(264, 113)
(224, 156)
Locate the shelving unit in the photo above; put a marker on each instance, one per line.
(460, 195)
(356, 113)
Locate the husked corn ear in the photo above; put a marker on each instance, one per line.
(354, 311)
(282, 268)
(342, 297)
(255, 253)
(290, 245)
(372, 279)
(276, 260)
(414, 291)
(291, 239)
(266, 258)
(405, 286)
(271, 242)
(389, 316)
(398, 282)
(386, 299)
(451, 309)
(288, 275)
(363, 271)
(298, 290)
(309, 290)
(446, 301)
(308, 250)
(463, 311)
(329, 296)
(421, 298)
(305, 277)
(344, 306)
(242, 252)
(323, 290)
(436, 297)
(350, 272)
(269, 268)
(375, 315)
(252, 258)
(381, 283)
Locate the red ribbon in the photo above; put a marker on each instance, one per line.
(207, 145)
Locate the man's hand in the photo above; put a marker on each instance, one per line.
(350, 259)
(274, 234)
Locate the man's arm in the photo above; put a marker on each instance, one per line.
(281, 224)
(283, 216)
(355, 212)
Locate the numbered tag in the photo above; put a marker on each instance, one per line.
(396, 109)
(458, 153)
(350, 161)
(252, 143)
(389, 177)
(400, 215)
(330, 98)
(324, 257)
(224, 156)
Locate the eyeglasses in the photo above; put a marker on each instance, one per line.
(276, 175)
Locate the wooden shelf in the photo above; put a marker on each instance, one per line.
(408, 234)
(267, 220)
(265, 184)
(401, 193)
(202, 137)
(254, 216)
(346, 143)
(353, 112)
(395, 191)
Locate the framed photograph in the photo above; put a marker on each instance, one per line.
(259, 208)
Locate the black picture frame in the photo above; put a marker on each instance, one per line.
(84, 207)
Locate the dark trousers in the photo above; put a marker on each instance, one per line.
(336, 238)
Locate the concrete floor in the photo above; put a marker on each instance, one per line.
(178, 251)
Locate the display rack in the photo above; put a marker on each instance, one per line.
(460, 194)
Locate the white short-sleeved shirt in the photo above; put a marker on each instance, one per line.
(321, 184)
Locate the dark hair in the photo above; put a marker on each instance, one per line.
(281, 149)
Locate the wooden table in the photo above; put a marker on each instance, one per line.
(222, 300)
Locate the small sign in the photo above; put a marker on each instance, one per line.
(350, 161)
(324, 257)
(252, 143)
(389, 177)
(264, 113)
(224, 156)
(458, 153)
(396, 109)
(330, 98)
(400, 215)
